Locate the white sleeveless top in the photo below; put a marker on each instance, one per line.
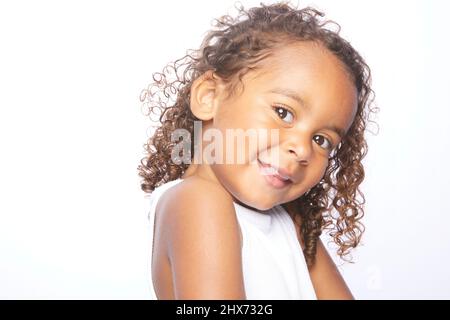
(274, 266)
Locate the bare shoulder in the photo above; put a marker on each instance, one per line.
(195, 202)
(202, 241)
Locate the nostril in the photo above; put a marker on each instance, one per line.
(300, 157)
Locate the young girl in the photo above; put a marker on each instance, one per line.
(250, 229)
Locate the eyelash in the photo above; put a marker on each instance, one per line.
(278, 107)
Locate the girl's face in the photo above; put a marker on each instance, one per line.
(305, 94)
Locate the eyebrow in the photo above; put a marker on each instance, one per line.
(293, 95)
(290, 94)
(339, 131)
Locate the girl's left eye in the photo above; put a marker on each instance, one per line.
(284, 114)
(323, 142)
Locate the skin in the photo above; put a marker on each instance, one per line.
(197, 254)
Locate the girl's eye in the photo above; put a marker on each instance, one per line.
(323, 142)
(284, 114)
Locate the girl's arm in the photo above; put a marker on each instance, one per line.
(203, 242)
(327, 281)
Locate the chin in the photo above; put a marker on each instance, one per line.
(264, 208)
(262, 205)
(252, 203)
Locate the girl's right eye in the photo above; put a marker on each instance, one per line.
(284, 114)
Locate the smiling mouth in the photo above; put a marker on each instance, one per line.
(272, 176)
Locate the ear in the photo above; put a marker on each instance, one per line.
(205, 93)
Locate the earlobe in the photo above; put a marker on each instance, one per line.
(204, 93)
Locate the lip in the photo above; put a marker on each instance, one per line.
(279, 179)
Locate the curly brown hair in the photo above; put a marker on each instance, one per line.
(230, 49)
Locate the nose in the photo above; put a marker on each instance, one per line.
(300, 148)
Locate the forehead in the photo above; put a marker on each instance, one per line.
(311, 71)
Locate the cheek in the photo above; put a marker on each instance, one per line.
(322, 170)
(317, 173)
(242, 114)
(229, 113)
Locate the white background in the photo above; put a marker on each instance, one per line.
(73, 220)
